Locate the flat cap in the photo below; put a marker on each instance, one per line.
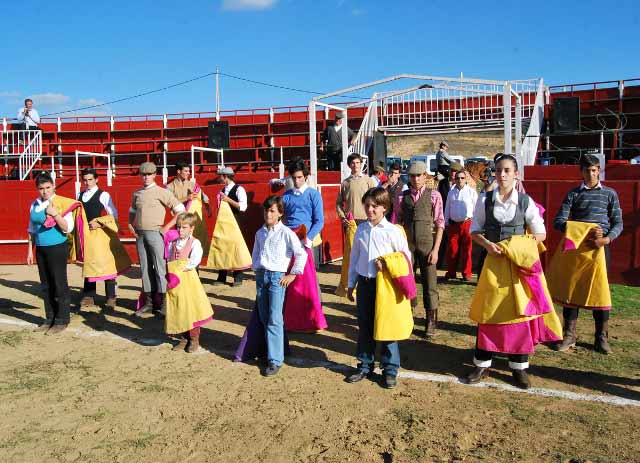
(417, 168)
(225, 171)
(147, 168)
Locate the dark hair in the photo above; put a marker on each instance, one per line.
(297, 164)
(181, 165)
(443, 144)
(89, 171)
(43, 177)
(379, 196)
(502, 156)
(274, 199)
(352, 157)
(589, 160)
(395, 166)
(27, 100)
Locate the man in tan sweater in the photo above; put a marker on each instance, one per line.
(352, 190)
(146, 219)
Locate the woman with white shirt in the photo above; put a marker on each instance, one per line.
(498, 215)
(49, 223)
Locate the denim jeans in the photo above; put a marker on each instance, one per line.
(270, 298)
(390, 351)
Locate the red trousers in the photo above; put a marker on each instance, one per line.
(459, 248)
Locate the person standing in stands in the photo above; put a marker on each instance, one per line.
(591, 203)
(331, 142)
(352, 190)
(236, 196)
(394, 185)
(146, 219)
(443, 159)
(419, 210)
(50, 222)
(28, 117)
(104, 255)
(458, 214)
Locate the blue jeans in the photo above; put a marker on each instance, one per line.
(270, 298)
(390, 352)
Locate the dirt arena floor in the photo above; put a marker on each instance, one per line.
(110, 389)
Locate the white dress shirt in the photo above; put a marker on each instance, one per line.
(32, 119)
(105, 200)
(274, 247)
(242, 195)
(371, 242)
(39, 205)
(460, 204)
(196, 252)
(505, 211)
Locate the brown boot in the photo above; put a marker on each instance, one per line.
(601, 343)
(431, 323)
(55, 329)
(182, 344)
(147, 307)
(86, 301)
(194, 344)
(476, 375)
(569, 337)
(521, 379)
(111, 303)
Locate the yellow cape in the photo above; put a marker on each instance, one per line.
(64, 205)
(228, 250)
(200, 229)
(349, 234)
(103, 253)
(502, 295)
(393, 318)
(187, 303)
(578, 277)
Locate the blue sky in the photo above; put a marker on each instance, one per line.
(73, 53)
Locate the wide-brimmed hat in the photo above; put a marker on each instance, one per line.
(417, 168)
(147, 168)
(225, 171)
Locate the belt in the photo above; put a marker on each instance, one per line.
(367, 279)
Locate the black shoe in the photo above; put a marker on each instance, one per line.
(521, 378)
(389, 382)
(476, 375)
(271, 370)
(237, 281)
(357, 377)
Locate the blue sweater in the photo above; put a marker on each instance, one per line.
(304, 209)
(44, 236)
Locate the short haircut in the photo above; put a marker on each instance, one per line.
(378, 170)
(499, 157)
(352, 157)
(589, 160)
(297, 164)
(271, 200)
(379, 196)
(89, 171)
(182, 164)
(43, 177)
(187, 217)
(443, 144)
(27, 100)
(395, 166)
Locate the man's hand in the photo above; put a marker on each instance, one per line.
(224, 197)
(350, 295)
(30, 255)
(93, 225)
(380, 265)
(432, 257)
(345, 222)
(599, 242)
(287, 280)
(493, 249)
(596, 233)
(51, 210)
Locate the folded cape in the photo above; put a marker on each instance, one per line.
(349, 234)
(395, 287)
(228, 250)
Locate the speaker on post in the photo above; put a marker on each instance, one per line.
(566, 114)
(379, 151)
(218, 132)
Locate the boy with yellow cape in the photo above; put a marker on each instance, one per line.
(591, 218)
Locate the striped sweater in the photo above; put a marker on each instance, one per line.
(594, 205)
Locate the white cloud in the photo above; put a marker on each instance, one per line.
(247, 4)
(11, 94)
(88, 102)
(51, 99)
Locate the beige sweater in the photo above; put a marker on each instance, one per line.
(350, 197)
(148, 207)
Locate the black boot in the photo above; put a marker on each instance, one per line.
(431, 323)
(569, 337)
(476, 375)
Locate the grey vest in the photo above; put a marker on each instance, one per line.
(495, 231)
(417, 220)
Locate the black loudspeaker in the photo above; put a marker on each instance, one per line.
(218, 134)
(566, 114)
(379, 151)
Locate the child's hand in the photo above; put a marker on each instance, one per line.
(380, 265)
(350, 295)
(287, 280)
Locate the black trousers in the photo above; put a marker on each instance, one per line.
(52, 267)
(109, 288)
(333, 159)
(571, 313)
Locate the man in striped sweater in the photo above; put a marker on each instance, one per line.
(593, 203)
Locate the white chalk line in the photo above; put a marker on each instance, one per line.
(430, 377)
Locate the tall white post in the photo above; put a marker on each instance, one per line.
(506, 104)
(77, 176)
(518, 125)
(217, 94)
(344, 168)
(313, 146)
(281, 168)
(193, 165)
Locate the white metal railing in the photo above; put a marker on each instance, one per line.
(363, 140)
(193, 165)
(26, 145)
(100, 155)
(529, 147)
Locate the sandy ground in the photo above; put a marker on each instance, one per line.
(110, 389)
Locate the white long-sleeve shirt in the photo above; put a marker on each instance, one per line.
(105, 200)
(371, 242)
(460, 204)
(196, 252)
(274, 247)
(33, 118)
(505, 211)
(242, 195)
